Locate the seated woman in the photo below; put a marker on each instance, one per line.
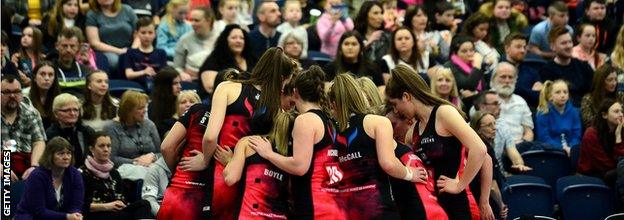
(135, 140)
(602, 142)
(466, 67)
(162, 107)
(55, 189)
(443, 86)
(66, 108)
(44, 88)
(103, 186)
(350, 58)
(477, 27)
(98, 107)
(406, 49)
(295, 47)
(558, 123)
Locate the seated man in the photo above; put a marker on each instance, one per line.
(72, 75)
(529, 83)
(22, 129)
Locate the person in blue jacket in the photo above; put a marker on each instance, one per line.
(54, 190)
(558, 121)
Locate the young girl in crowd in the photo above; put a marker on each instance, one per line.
(405, 49)
(442, 139)
(585, 50)
(291, 16)
(30, 52)
(503, 21)
(228, 10)
(332, 24)
(66, 13)
(477, 27)
(558, 122)
(313, 152)
(99, 108)
(240, 109)
(443, 86)
(163, 97)
(142, 64)
(43, 90)
(172, 27)
(350, 58)
(264, 186)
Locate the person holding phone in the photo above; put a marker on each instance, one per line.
(332, 24)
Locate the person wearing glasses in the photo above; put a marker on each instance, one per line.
(66, 109)
(22, 130)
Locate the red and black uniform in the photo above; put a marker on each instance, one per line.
(445, 156)
(265, 190)
(365, 191)
(314, 194)
(242, 118)
(415, 200)
(185, 198)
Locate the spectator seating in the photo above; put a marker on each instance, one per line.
(584, 198)
(190, 86)
(117, 87)
(617, 216)
(547, 164)
(528, 195)
(320, 58)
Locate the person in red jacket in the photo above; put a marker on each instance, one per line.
(602, 144)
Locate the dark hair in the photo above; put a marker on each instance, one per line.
(339, 61)
(37, 45)
(144, 22)
(163, 100)
(222, 53)
(441, 7)
(555, 32)
(271, 70)
(458, 41)
(472, 22)
(55, 144)
(310, 85)
(481, 98)
(598, 93)
(405, 79)
(361, 20)
(587, 3)
(45, 109)
(109, 111)
(94, 137)
(414, 60)
(514, 36)
(10, 78)
(409, 16)
(606, 137)
(68, 33)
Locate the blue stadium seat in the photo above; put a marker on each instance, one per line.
(547, 164)
(190, 86)
(618, 216)
(528, 195)
(321, 59)
(117, 87)
(584, 198)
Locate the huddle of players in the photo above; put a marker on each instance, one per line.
(307, 165)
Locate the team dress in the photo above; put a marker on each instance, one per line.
(365, 191)
(185, 197)
(445, 156)
(265, 190)
(415, 200)
(315, 193)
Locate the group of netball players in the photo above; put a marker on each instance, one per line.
(250, 156)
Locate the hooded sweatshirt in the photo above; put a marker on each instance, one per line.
(155, 183)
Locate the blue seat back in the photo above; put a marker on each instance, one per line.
(549, 165)
(579, 194)
(117, 87)
(528, 195)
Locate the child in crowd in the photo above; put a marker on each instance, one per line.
(558, 122)
(331, 25)
(229, 11)
(585, 50)
(291, 13)
(142, 64)
(30, 52)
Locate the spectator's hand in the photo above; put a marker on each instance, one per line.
(566, 149)
(420, 175)
(537, 86)
(467, 93)
(486, 211)
(185, 77)
(618, 131)
(74, 216)
(25, 79)
(261, 145)
(122, 51)
(145, 159)
(27, 173)
(503, 212)
(335, 15)
(34, 22)
(117, 205)
(149, 71)
(194, 162)
(13, 177)
(521, 167)
(449, 185)
(223, 154)
(15, 59)
(375, 36)
(477, 60)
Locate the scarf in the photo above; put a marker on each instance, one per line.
(466, 67)
(100, 170)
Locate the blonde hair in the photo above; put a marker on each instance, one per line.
(95, 6)
(545, 94)
(186, 94)
(617, 56)
(130, 100)
(348, 99)
(64, 99)
(370, 91)
(448, 74)
(169, 20)
(280, 133)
